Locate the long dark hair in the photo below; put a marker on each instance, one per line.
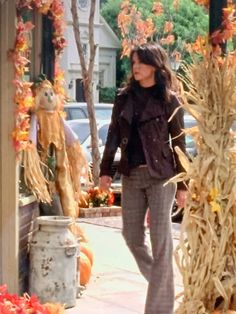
(153, 54)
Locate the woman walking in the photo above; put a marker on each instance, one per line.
(142, 128)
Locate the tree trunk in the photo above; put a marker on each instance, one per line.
(93, 129)
(87, 75)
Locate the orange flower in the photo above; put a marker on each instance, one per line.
(97, 197)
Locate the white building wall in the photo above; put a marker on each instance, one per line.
(107, 66)
(83, 11)
(105, 60)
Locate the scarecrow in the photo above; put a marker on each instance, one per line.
(53, 162)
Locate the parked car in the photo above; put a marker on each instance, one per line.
(190, 122)
(78, 110)
(82, 129)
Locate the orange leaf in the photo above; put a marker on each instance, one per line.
(167, 40)
(168, 27)
(176, 4)
(203, 2)
(158, 8)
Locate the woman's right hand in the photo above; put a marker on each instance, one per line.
(105, 183)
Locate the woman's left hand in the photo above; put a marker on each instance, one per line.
(181, 198)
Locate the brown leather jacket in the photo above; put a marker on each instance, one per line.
(158, 136)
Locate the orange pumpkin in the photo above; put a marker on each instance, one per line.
(84, 267)
(86, 249)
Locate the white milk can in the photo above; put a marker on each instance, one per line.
(53, 261)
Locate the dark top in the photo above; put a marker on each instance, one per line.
(136, 156)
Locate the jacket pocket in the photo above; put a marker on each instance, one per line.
(156, 128)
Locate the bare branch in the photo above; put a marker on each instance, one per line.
(92, 45)
(76, 27)
(87, 75)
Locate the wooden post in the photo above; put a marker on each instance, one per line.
(9, 226)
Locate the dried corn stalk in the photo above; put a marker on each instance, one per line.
(206, 255)
(33, 174)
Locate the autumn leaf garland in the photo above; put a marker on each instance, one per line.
(20, 56)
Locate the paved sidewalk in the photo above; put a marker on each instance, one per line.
(116, 286)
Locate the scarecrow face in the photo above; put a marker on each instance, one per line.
(47, 99)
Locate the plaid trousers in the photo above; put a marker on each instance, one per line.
(140, 191)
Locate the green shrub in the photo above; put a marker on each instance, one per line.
(107, 94)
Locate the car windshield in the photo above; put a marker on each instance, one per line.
(103, 113)
(81, 130)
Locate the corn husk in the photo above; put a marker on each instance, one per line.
(78, 167)
(206, 254)
(33, 174)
